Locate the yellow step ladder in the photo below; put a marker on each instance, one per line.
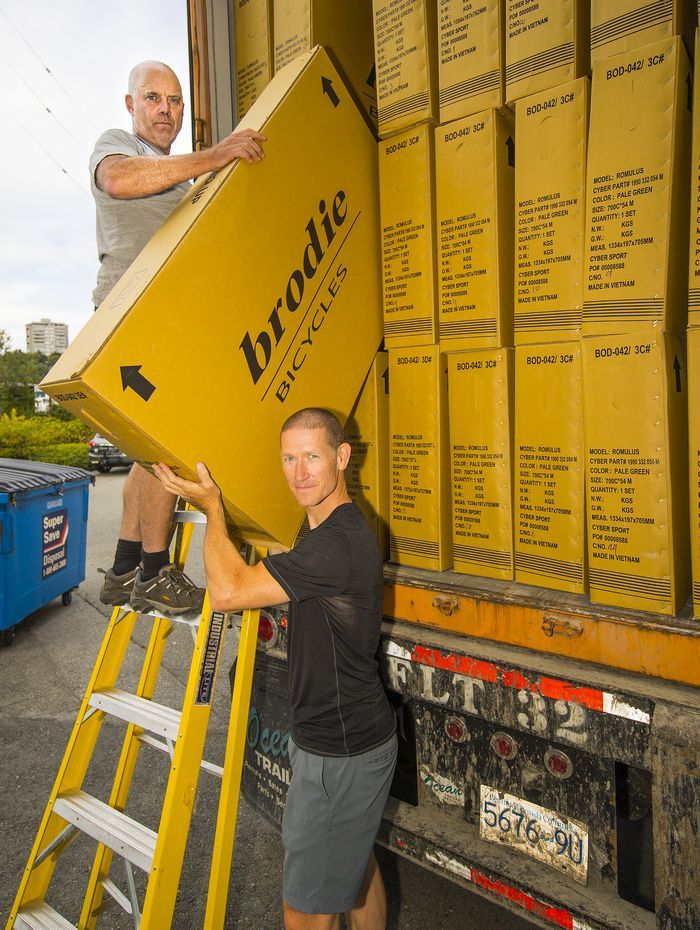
(71, 811)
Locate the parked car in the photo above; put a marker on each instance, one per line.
(104, 456)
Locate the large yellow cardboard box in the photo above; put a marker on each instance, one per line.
(629, 24)
(252, 33)
(547, 43)
(367, 431)
(637, 471)
(694, 267)
(475, 173)
(694, 444)
(550, 538)
(481, 440)
(420, 525)
(636, 271)
(405, 40)
(344, 28)
(407, 210)
(471, 53)
(550, 193)
(258, 296)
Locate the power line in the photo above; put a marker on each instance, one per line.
(50, 72)
(43, 103)
(45, 150)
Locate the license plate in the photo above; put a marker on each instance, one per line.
(543, 834)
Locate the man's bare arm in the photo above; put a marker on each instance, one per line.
(127, 177)
(233, 585)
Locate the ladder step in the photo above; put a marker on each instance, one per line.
(41, 917)
(103, 823)
(163, 721)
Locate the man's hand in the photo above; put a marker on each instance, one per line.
(205, 495)
(245, 144)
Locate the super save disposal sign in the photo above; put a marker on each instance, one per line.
(54, 539)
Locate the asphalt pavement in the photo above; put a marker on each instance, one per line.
(43, 675)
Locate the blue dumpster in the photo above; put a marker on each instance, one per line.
(43, 528)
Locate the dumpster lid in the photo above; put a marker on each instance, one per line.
(20, 475)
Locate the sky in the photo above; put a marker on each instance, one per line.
(48, 258)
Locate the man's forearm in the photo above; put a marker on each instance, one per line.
(142, 175)
(223, 564)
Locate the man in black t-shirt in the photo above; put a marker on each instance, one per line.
(343, 746)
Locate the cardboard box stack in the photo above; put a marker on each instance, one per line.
(252, 32)
(474, 168)
(345, 29)
(694, 450)
(547, 44)
(471, 52)
(694, 263)
(406, 57)
(280, 334)
(550, 185)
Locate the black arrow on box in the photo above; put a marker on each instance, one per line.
(677, 369)
(132, 378)
(327, 85)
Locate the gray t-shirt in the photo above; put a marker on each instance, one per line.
(124, 226)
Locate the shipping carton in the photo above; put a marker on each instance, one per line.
(252, 33)
(405, 40)
(419, 524)
(245, 306)
(471, 57)
(630, 24)
(481, 397)
(550, 193)
(407, 210)
(344, 29)
(694, 448)
(636, 263)
(367, 431)
(694, 265)
(637, 471)
(547, 43)
(550, 537)
(475, 173)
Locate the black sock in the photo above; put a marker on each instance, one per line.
(127, 556)
(153, 562)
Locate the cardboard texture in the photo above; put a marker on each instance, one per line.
(547, 44)
(550, 540)
(630, 24)
(245, 306)
(694, 448)
(420, 524)
(344, 29)
(637, 471)
(481, 398)
(405, 40)
(367, 431)
(694, 264)
(474, 184)
(407, 210)
(550, 193)
(252, 33)
(471, 57)
(636, 271)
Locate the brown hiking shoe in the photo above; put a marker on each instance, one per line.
(116, 590)
(170, 592)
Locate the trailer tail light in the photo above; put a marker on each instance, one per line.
(455, 729)
(558, 763)
(504, 746)
(268, 631)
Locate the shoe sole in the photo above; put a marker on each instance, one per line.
(117, 600)
(143, 605)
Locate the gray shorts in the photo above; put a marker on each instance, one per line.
(331, 819)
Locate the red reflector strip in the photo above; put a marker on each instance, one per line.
(557, 916)
(488, 671)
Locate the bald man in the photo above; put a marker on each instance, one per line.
(136, 184)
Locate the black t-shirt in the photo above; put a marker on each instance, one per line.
(334, 582)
